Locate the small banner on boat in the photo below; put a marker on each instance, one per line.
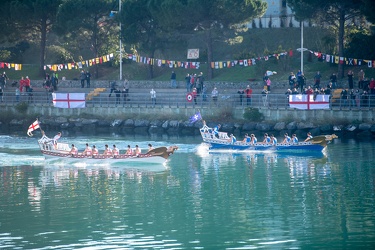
(309, 101)
(195, 117)
(32, 127)
(69, 100)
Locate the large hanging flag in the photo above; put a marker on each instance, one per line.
(32, 127)
(308, 101)
(69, 100)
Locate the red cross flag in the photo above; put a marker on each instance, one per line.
(33, 127)
(308, 102)
(69, 100)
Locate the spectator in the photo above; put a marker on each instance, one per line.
(352, 98)
(241, 93)
(350, 79)
(301, 81)
(292, 80)
(187, 81)
(113, 87)
(214, 95)
(204, 92)
(364, 99)
(1, 94)
(344, 97)
(153, 97)
(264, 97)
(118, 95)
(3, 80)
(22, 83)
(88, 79)
(126, 89)
(173, 80)
(27, 84)
(333, 80)
(309, 91)
(361, 78)
(17, 94)
(295, 91)
(249, 92)
(317, 78)
(200, 82)
(194, 94)
(372, 86)
(82, 78)
(268, 84)
(192, 81)
(357, 98)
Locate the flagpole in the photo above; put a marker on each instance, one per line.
(119, 10)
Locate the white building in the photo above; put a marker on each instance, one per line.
(277, 15)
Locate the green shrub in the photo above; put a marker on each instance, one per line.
(253, 114)
(22, 107)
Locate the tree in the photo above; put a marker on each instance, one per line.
(212, 17)
(141, 27)
(88, 23)
(33, 20)
(333, 13)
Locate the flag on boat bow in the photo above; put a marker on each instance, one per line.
(195, 117)
(32, 127)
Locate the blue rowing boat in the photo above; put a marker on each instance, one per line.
(221, 141)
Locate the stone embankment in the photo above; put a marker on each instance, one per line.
(174, 127)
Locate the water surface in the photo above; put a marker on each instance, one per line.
(196, 200)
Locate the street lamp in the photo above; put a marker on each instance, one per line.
(112, 14)
(302, 49)
(119, 9)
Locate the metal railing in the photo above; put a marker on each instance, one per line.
(166, 99)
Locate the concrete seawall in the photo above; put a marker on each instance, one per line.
(270, 114)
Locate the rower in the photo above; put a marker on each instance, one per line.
(273, 140)
(286, 138)
(107, 151)
(294, 139)
(74, 150)
(115, 151)
(150, 147)
(137, 151)
(95, 151)
(129, 151)
(88, 150)
(247, 139)
(253, 139)
(309, 136)
(232, 139)
(267, 139)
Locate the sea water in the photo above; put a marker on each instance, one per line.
(197, 200)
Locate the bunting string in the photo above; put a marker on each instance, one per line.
(322, 57)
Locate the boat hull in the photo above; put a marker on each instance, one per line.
(221, 141)
(263, 147)
(100, 159)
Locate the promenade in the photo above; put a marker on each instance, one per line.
(170, 101)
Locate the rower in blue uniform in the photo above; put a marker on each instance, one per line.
(309, 136)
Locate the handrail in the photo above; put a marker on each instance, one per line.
(178, 99)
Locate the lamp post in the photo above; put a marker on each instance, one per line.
(119, 9)
(302, 49)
